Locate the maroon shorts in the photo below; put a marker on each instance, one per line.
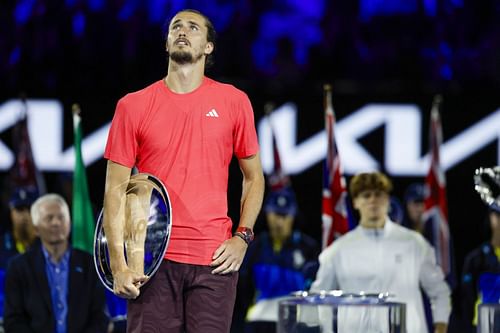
(183, 298)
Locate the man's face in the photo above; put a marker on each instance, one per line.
(21, 221)
(187, 38)
(373, 205)
(415, 210)
(280, 226)
(495, 222)
(54, 225)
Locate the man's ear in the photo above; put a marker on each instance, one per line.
(209, 48)
(36, 231)
(355, 203)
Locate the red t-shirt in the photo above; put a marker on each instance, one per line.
(187, 141)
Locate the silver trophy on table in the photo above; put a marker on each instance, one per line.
(148, 225)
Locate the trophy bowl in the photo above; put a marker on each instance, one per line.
(487, 185)
(147, 228)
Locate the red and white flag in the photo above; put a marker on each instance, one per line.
(277, 179)
(436, 209)
(24, 173)
(334, 217)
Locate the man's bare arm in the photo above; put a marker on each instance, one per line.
(117, 179)
(253, 190)
(229, 256)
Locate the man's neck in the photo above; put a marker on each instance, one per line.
(372, 224)
(279, 241)
(495, 240)
(56, 251)
(183, 79)
(25, 238)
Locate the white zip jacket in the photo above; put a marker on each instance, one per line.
(393, 259)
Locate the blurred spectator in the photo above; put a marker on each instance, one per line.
(278, 262)
(396, 212)
(380, 40)
(381, 256)
(413, 219)
(480, 281)
(414, 207)
(52, 287)
(20, 235)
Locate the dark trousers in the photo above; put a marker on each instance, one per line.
(183, 298)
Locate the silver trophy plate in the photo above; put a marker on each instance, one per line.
(148, 224)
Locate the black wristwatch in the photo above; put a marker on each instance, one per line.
(245, 233)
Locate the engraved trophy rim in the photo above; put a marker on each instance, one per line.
(100, 252)
(486, 179)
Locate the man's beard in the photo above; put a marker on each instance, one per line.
(184, 58)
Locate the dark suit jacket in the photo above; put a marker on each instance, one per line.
(28, 304)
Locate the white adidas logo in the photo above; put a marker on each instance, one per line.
(212, 113)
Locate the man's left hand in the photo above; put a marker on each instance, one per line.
(229, 256)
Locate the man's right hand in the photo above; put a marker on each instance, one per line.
(126, 283)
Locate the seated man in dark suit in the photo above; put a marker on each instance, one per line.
(52, 287)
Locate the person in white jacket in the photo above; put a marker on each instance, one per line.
(381, 256)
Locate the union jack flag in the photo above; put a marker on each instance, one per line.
(334, 217)
(436, 209)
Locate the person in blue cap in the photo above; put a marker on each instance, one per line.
(480, 282)
(414, 207)
(21, 233)
(279, 261)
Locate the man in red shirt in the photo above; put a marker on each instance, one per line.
(184, 129)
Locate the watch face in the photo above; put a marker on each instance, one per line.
(247, 233)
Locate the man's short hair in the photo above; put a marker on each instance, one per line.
(369, 181)
(52, 197)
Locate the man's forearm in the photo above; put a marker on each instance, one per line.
(252, 190)
(114, 225)
(117, 179)
(251, 201)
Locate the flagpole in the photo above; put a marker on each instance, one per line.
(277, 179)
(327, 98)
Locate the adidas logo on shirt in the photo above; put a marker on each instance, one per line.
(212, 113)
